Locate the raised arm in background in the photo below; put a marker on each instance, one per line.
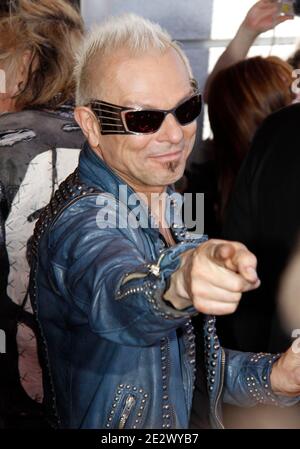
(262, 17)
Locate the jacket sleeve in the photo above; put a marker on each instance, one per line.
(247, 380)
(102, 271)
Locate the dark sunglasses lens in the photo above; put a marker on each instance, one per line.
(144, 122)
(188, 111)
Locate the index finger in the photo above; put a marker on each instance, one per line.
(236, 257)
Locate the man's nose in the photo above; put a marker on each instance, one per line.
(171, 130)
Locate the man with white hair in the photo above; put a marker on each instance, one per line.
(116, 278)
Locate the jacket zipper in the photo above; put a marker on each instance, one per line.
(216, 416)
(130, 402)
(154, 268)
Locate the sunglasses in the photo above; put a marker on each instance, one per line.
(121, 120)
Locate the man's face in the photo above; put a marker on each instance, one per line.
(153, 161)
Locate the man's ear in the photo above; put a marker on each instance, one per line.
(89, 125)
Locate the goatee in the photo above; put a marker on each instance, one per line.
(172, 166)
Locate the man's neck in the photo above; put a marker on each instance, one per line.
(154, 195)
(157, 208)
(156, 202)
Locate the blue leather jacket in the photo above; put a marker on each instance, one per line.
(117, 354)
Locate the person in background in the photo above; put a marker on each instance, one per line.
(39, 146)
(263, 214)
(251, 90)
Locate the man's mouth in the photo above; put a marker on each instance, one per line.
(168, 157)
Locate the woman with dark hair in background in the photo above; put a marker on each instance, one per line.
(240, 97)
(239, 100)
(39, 147)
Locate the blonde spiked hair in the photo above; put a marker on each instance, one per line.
(128, 31)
